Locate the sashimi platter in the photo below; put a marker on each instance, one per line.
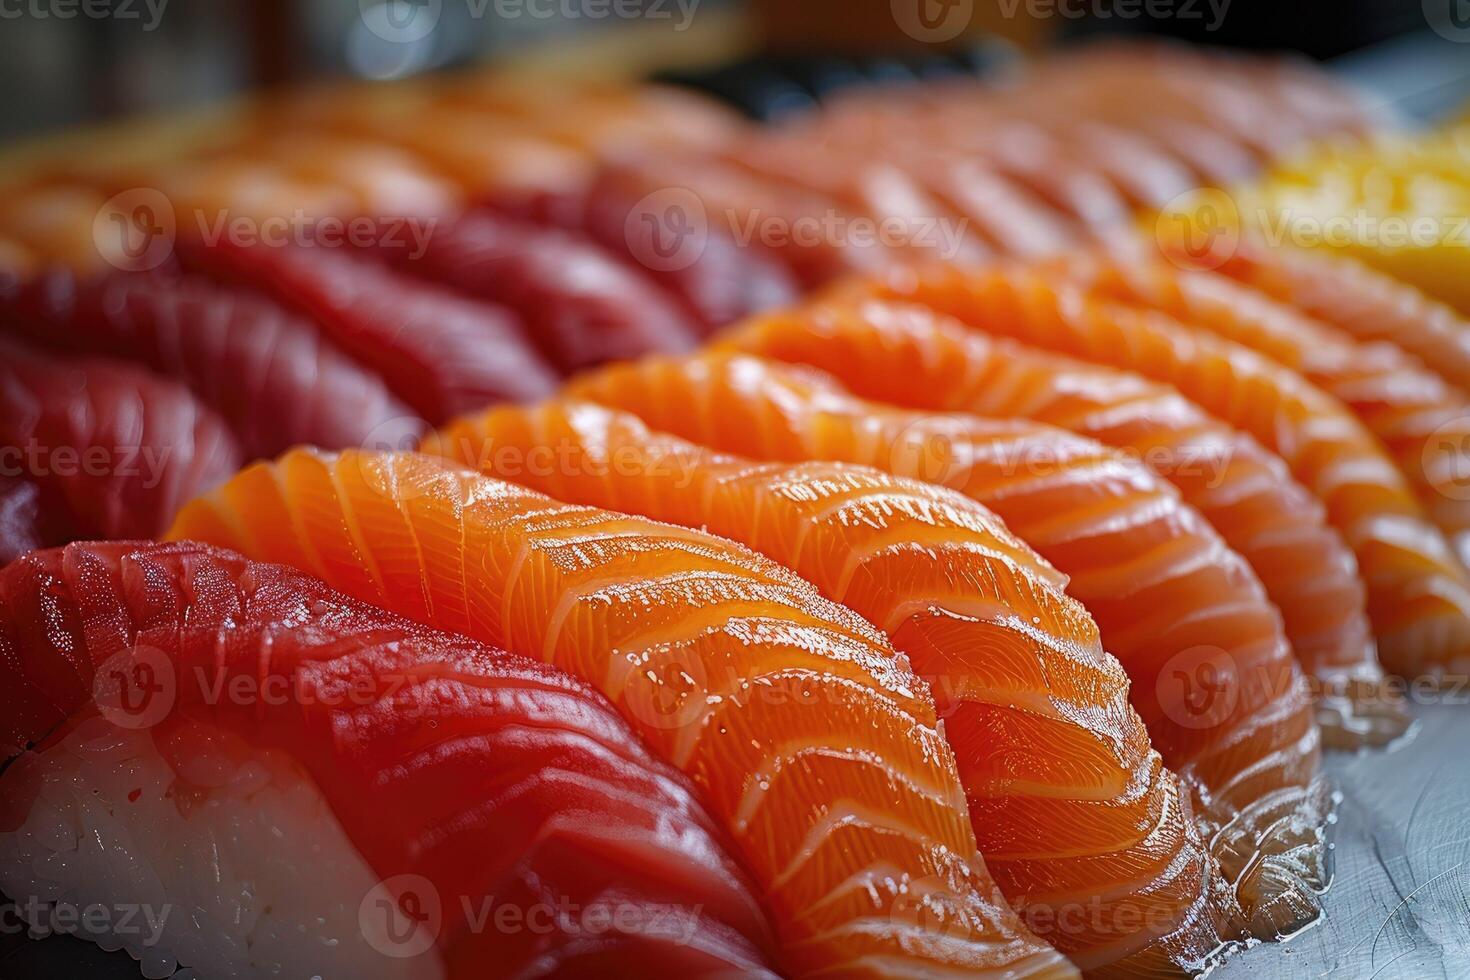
(478, 526)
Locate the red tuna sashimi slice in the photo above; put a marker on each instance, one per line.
(441, 353)
(491, 777)
(716, 280)
(114, 449)
(267, 372)
(581, 305)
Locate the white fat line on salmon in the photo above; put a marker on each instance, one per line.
(675, 922)
(1121, 10)
(43, 918)
(307, 231)
(588, 10)
(87, 9)
(36, 460)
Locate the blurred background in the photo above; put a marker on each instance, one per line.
(66, 62)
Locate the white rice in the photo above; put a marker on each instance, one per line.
(254, 879)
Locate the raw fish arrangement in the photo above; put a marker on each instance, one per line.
(598, 535)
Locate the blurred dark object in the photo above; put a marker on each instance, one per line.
(770, 87)
(62, 71)
(1318, 28)
(58, 956)
(882, 27)
(1419, 76)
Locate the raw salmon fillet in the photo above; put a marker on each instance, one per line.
(481, 153)
(1418, 592)
(911, 216)
(441, 353)
(427, 746)
(988, 168)
(1213, 676)
(1036, 711)
(269, 374)
(1424, 422)
(53, 224)
(1224, 116)
(114, 450)
(580, 304)
(808, 738)
(1341, 291)
(909, 355)
(382, 180)
(1046, 155)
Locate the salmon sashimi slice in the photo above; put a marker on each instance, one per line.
(53, 224)
(919, 224)
(909, 355)
(580, 304)
(1093, 173)
(1036, 711)
(1004, 214)
(1241, 110)
(1213, 676)
(1418, 593)
(114, 450)
(1342, 291)
(1066, 193)
(442, 353)
(426, 746)
(484, 155)
(1424, 422)
(384, 180)
(268, 373)
(809, 739)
